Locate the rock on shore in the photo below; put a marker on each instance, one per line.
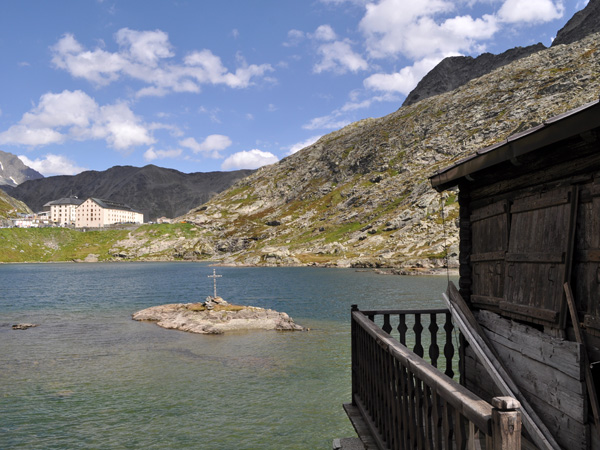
(196, 318)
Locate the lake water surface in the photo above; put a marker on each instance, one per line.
(89, 377)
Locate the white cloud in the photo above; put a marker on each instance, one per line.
(252, 159)
(328, 122)
(325, 33)
(300, 145)
(339, 57)
(531, 11)
(73, 115)
(294, 38)
(397, 27)
(146, 56)
(211, 146)
(403, 81)
(151, 154)
(52, 165)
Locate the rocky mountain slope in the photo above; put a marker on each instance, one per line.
(9, 207)
(360, 196)
(14, 172)
(455, 71)
(153, 190)
(583, 23)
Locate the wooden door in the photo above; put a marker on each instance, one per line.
(537, 262)
(490, 230)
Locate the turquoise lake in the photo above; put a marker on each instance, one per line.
(89, 377)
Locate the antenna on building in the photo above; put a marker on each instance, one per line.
(214, 276)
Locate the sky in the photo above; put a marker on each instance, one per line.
(206, 85)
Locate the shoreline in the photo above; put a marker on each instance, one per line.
(382, 270)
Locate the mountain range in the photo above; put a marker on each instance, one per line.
(153, 190)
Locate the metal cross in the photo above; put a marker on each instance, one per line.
(214, 276)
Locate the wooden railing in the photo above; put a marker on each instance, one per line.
(407, 403)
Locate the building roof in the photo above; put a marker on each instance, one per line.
(563, 126)
(109, 204)
(65, 201)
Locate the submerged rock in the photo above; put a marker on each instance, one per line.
(24, 326)
(197, 318)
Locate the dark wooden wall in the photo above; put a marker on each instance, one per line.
(526, 228)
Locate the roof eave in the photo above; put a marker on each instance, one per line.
(561, 127)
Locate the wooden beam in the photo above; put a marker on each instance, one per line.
(589, 380)
(468, 325)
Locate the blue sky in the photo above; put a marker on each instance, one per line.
(200, 86)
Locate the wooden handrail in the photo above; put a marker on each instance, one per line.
(407, 403)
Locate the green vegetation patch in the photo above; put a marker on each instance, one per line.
(55, 244)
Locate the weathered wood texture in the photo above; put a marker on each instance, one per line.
(531, 228)
(409, 404)
(547, 370)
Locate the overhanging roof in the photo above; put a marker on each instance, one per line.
(563, 126)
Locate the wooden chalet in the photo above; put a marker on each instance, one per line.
(527, 306)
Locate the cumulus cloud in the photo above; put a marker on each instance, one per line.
(300, 145)
(52, 164)
(403, 81)
(335, 55)
(252, 159)
(151, 154)
(73, 115)
(531, 11)
(211, 146)
(339, 57)
(146, 56)
(397, 27)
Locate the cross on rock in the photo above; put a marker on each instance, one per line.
(214, 276)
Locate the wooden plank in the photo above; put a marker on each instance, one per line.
(589, 380)
(536, 257)
(489, 256)
(585, 256)
(486, 300)
(370, 425)
(546, 315)
(534, 202)
(360, 426)
(553, 352)
(554, 387)
(488, 211)
(464, 317)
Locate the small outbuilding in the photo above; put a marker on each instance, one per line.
(529, 247)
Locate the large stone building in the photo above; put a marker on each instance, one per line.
(63, 211)
(98, 213)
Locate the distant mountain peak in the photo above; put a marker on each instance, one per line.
(14, 172)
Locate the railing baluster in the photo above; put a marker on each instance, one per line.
(449, 347)
(419, 413)
(402, 329)
(434, 349)
(436, 421)
(387, 327)
(447, 425)
(418, 329)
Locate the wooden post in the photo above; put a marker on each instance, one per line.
(506, 423)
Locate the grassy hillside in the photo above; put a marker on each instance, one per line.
(62, 244)
(9, 207)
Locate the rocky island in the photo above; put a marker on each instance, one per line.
(216, 316)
